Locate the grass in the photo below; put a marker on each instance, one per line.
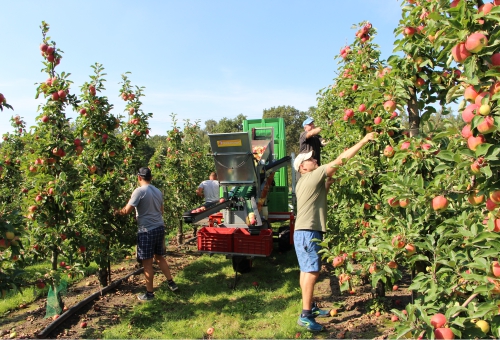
(206, 298)
(29, 294)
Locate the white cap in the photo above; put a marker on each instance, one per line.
(300, 158)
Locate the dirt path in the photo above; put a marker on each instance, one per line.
(352, 321)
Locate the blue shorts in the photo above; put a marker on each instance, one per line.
(151, 242)
(307, 250)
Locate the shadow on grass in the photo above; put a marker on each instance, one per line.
(206, 292)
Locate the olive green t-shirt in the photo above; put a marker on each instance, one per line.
(311, 201)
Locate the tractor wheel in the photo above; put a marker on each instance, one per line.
(241, 264)
(284, 239)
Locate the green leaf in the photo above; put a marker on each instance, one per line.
(446, 155)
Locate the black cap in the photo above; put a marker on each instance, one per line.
(145, 173)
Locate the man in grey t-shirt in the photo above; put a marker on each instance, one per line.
(148, 203)
(210, 189)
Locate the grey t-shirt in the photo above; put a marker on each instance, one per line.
(210, 190)
(148, 203)
(311, 201)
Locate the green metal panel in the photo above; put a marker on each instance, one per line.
(277, 123)
(281, 176)
(277, 199)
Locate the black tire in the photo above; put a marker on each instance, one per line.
(241, 264)
(284, 239)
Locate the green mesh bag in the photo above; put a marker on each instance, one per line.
(54, 300)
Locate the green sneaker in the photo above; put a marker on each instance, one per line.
(319, 313)
(309, 323)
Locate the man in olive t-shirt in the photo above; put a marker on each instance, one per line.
(310, 224)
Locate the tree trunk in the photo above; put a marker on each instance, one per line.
(180, 235)
(413, 113)
(53, 259)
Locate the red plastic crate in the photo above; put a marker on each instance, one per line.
(216, 239)
(261, 244)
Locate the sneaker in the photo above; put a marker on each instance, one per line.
(319, 313)
(309, 323)
(146, 297)
(172, 285)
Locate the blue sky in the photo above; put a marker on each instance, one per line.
(198, 59)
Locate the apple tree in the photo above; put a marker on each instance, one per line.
(11, 221)
(435, 186)
(100, 236)
(178, 167)
(50, 178)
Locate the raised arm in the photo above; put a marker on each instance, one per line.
(313, 132)
(349, 153)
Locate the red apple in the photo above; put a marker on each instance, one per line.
(392, 264)
(338, 261)
(389, 105)
(466, 131)
(480, 97)
(420, 82)
(439, 203)
(473, 142)
(495, 196)
(470, 93)
(475, 199)
(486, 8)
(362, 108)
(475, 42)
(397, 242)
(487, 125)
(438, 320)
(495, 59)
(409, 31)
(62, 94)
(349, 113)
(444, 334)
(470, 112)
(405, 145)
(393, 202)
(490, 205)
(410, 249)
(460, 53)
(404, 202)
(389, 151)
(495, 268)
